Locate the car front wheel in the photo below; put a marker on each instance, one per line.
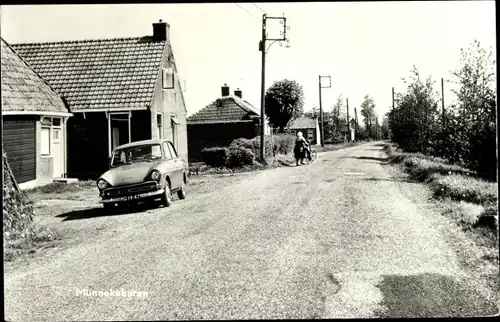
(167, 196)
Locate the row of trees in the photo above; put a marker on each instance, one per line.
(463, 132)
(285, 102)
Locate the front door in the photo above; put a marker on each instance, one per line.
(57, 153)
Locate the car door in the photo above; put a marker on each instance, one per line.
(170, 167)
(178, 164)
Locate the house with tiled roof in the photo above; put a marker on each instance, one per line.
(309, 127)
(34, 119)
(120, 90)
(229, 117)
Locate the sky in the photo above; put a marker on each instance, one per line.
(366, 47)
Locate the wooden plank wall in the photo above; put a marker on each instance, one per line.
(19, 142)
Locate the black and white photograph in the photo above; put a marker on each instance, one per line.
(249, 161)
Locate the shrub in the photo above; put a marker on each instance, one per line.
(242, 142)
(240, 156)
(215, 157)
(459, 187)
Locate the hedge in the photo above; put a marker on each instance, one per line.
(216, 156)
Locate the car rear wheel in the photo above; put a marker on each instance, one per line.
(182, 192)
(167, 196)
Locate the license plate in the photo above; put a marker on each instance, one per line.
(132, 197)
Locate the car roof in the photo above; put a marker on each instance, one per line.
(143, 142)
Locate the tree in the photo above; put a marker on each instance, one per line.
(337, 119)
(368, 112)
(284, 102)
(473, 125)
(385, 132)
(416, 116)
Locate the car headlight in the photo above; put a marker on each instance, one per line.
(155, 175)
(102, 184)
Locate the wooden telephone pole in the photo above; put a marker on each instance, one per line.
(321, 107)
(262, 48)
(356, 125)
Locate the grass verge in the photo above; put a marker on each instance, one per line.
(446, 180)
(61, 187)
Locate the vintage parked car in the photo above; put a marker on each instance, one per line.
(142, 171)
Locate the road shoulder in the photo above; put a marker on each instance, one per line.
(474, 256)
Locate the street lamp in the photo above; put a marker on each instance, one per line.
(263, 49)
(320, 106)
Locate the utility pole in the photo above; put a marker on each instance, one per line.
(348, 123)
(263, 86)
(356, 125)
(321, 108)
(262, 48)
(442, 98)
(393, 110)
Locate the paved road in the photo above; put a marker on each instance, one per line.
(330, 240)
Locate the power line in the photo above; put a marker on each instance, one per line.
(247, 11)
(258, 7)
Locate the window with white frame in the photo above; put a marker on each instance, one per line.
(168, 78)
(45, 141)
(159, 124)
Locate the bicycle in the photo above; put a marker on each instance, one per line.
(314, 155)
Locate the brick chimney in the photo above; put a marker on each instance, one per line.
(238, 93)
(161, 31)
(225, 90)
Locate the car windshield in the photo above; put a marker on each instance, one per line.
(140, 153)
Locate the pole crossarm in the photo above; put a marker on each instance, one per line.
(329, 83)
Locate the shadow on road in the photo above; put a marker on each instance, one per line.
(380, 144)
(100, 212)
(388, 179)
(386, 159)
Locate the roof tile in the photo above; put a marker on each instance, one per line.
(23, 89)
(303, 123)
(232, 108)
(98, 73)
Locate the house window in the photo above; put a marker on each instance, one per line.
(45, 141)
(168, 78)
(159, 124)
(56, 121)
(310, 134)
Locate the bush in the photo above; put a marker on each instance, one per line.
(242, 142)
(240, 156)
(215, 157)
(463, 188)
